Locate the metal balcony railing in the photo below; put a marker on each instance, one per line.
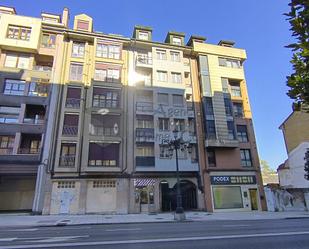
(42, 68)
(33, 121)
(144, 59)
(70, 130)
(144, 106)
(6, 151)
(105, 131)
(72, 103)
(28, 151)
(67, 161)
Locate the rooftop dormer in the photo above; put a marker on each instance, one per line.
(196, 38)
(226, 43)
(7, 10)
(83, 22)
(142, 33)
(175, 38)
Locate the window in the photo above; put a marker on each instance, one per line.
(189, 101)
(107, 75)
(38, 89)
(228, 197)
(175, 56)
(210, 129)
(144, 121)
(191, 127)
(143, 35)
(211, 157)
(9, 115)
(242, 133)
(231, 130)
(104, 184)
(82, 25)
(179, 124)
(177, 100)
(209, 110)
(78, 49)
(70, 125)
(162, 76)
(176, 40)
(108, 51)
(19, 33)
(245, 157)
(164, 124)
(194, 153)
(228, 107)
(103, 154)
(235, 89)
(105, 125)
(67, 155)
(103, 97)
(225, 62)
(161, 54)
(164, 152)
(76, 72)
(6, 145)
(238, 110)
(225, 85)
(73, 97)
(48, 41)
(163, 98)
(145, 151)
(14, 87)
(17, 61)
(176, 77)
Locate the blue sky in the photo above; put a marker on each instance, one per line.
(256, 25)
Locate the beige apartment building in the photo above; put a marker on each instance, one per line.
(115, 102)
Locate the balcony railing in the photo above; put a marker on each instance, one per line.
(144, 106)
(144, 59)
(144, 134)
(6, 151)
(72, 103)
(67, 161)
(42, 68)
(28, 151)
(145, 161)
(104, 131)
(33, 121)
(70, 130)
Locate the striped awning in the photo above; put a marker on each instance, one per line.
(144, 182)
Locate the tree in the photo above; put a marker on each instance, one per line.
(298, 81)
(269, 175)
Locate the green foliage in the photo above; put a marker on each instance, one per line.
(298, 81)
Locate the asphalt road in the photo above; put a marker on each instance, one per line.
(261, 234)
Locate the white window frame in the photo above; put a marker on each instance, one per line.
(162, 76)
(176, 77)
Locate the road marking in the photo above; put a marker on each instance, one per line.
(142, 241)
(123, 229)
(23, 230)
(240, 225)
(7, 239)
(55, 239)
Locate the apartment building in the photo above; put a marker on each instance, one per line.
(160, 101)
(227, 147)
(86, 118)
(30, 49)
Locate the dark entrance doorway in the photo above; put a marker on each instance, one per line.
(188, 191)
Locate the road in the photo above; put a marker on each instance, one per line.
(261, 234)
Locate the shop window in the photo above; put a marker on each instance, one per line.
(227, 197)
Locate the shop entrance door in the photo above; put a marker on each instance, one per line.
(253, 199)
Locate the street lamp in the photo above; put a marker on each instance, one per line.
(176, 144)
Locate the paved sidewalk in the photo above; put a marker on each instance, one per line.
(22, 220)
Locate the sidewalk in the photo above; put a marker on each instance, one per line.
(22, 220)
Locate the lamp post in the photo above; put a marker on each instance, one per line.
(176, 144)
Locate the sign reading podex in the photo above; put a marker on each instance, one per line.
(225, 180)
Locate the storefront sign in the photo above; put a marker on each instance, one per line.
(232, 180)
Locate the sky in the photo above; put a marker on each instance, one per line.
(258, 26)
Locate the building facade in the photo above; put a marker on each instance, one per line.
(113, 107)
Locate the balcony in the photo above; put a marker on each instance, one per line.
(70, 130)
(144, 107)
(27, 151)
(72, 103)
(67, 161)
(38, 89)
(144, 135)
(42, 68)
(144, 61)
(37, 121)
(227, 143)
(6, 151)
(145, 161)
(104, 131)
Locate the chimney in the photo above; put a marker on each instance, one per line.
(65, 17)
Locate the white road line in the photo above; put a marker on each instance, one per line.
(56, 239)
(240, 225)
(23, 230)
(123, 229)
(237, 236)
(7, 239)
